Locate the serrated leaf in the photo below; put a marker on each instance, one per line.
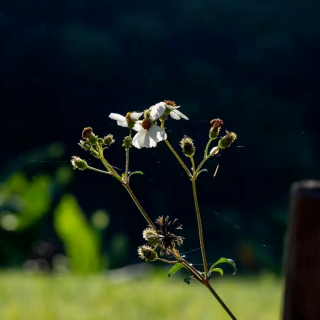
(217, 270)
(225, 260)
(175, 268)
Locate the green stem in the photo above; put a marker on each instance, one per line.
(178, 158)
(98, 170)
(109, 167)
(196, 204)
(167, 261)
(207, 147)
(127, 165)
(207, 284)
(135, 200)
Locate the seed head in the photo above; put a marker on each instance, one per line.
(227, 140)
(78, 163)
(87, 132)
(145, 252)
(187, 146)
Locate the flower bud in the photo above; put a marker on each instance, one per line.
(216, 125)
(88, 135)
(147, 253)
(151, 236)
(84, 145)
(78, 163)
(226, 141)
(127, 142)
(187, 146)
(108, 140)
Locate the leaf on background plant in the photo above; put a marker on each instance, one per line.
(187, 280)
(80, 240)
(225, 260)
(175, 268)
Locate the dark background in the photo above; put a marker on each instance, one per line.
(67, 64)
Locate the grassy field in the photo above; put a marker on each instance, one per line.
(69, 297)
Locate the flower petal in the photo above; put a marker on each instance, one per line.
(153, 136)
(122, 123)
(139, 139)
(174, 115)
(172, 107)
(214, 151)
(157, 111)
(136, 115)
(137, 126)
(180, 114)
(161, 134)
(116, 116)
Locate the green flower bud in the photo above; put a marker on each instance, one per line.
(127, 142)
(226, 141)
(151, 236)
(78, 163)
(108, 140)
(216, 125)
(129, 120)
(88, 135)
(147, 253)
(187, 146)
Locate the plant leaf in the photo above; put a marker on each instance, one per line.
(217, 270)
(175, 268)
(135, 172)
(225, 260)
(187, 280)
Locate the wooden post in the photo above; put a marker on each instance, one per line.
(302, 256)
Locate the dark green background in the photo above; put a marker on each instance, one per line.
(67, 64)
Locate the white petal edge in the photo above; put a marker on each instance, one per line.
(174, 115)
(116, 116)
(214, 151)
(137, 126)
(136, 115)
(161, 134)
(137, 140)
(157, 111)
(171, 107)
(180, 114)
(123, 123)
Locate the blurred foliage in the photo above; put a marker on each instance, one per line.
(67, 64)
(80, 241)
(97, 297)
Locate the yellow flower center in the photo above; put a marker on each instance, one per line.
(170, 103)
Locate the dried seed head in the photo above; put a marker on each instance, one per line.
(78, 163)
(151, 236)
(187, 146)
(145, 252)
(227, 140)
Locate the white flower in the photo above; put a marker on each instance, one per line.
(149, 134)
(123, 121)
(159, 109)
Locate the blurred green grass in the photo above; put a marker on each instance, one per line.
(69, 297)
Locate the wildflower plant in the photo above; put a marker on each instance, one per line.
(162, 244)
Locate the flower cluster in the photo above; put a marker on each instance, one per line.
(148, 132)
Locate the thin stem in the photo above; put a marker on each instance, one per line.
(167, 261)
(207, 284)
(207, 147)
(98, 170)
(109, 167)
(127, 165)
(178, 158)
(196, 204)
(135, 200)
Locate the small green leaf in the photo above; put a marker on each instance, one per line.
(136, 172)
(187, 280)
(217, 270)
(123, 176)
(174, 269)
(225, 260)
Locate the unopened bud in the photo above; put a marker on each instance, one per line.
(88, 135)
(79, 163)
(147, 253)
(226, 141)
(84, 145)
(216, 125)
(187, 146)
(108, 140)
(127, 142)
